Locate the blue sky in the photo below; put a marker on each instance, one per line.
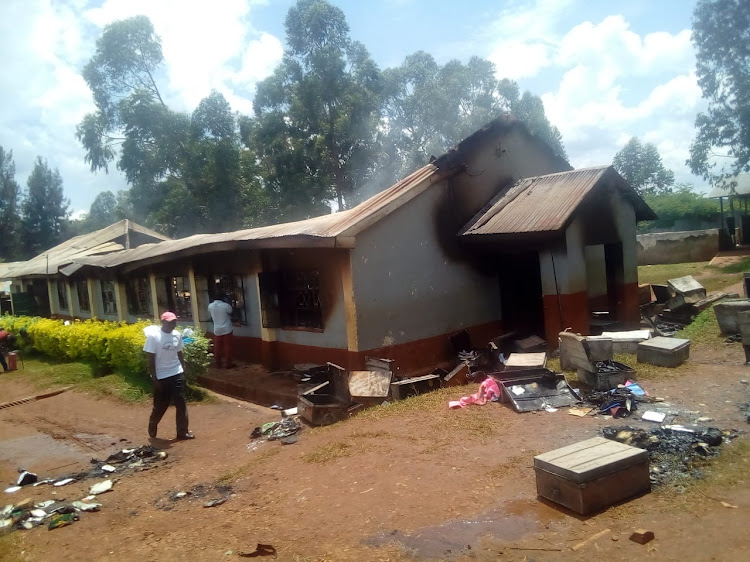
(606, 70)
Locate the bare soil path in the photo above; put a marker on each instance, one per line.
(418, 484)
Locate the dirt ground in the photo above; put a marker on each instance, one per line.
(419, 484)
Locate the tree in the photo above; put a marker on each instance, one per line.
(429, 108)
(316, 116)
(641, 166)
(103, 211)
(184, 169)
(682, 208)
(9, 195)
(44, 210)
(721, 35)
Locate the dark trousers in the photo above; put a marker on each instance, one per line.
(223, 349)
(2, 360)
(171, 389)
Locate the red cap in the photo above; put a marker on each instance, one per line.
(169, 316)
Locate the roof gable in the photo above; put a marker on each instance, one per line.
(545, 204)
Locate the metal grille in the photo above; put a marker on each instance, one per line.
(108, 297)
(83, 296)
(139, 297)
(300, 299)
(62, 295)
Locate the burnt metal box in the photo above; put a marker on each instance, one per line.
(592, 475)
(663, 351)
(607, 379)
(321, 409)
(414, 386)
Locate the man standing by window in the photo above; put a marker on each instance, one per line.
(221, 314)
(167, 368)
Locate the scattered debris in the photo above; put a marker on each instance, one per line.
(535, 390)
(64, 482)
(25, 478)
(260, 550)
(101, 488)
(62, 520)
(652, 416)
(591, 539)
(642, 536)
(83, 506)
(673, 450)
(214, 503)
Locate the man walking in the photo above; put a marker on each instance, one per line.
(167, 369)
(221, 314)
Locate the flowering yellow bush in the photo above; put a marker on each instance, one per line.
(109, 346)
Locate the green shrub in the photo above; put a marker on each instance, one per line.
(107, 346)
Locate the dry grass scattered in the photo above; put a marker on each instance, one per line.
(330, 452)
(11, 547)
(248, 467)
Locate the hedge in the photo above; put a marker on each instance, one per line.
(108, 346)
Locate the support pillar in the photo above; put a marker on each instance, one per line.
(154, 297)
(194, 298)
(121, 301)
(69, 294)
(93, 301)
(52, 296)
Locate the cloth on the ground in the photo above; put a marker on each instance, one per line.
(488, 390)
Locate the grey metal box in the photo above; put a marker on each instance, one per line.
(665, 352)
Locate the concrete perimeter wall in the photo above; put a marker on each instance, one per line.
(677, 247)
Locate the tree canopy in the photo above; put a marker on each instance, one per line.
(44, 210)
(721, 34)
(10, 191)
(328, 128)
(641, 166)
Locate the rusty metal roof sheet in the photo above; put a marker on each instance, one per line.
(100, 241)
(546, 203)
(334, 230)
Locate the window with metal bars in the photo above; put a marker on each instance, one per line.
(139, 297)
(109, 304)
(83, 296)
(62, 295)
(291, 299)
(234, 287)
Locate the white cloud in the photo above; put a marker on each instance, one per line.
(519, 38)
(612, 82)
(43, 96)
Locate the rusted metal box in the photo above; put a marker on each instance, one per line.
(414, 386)
(592, 475)
(321, 409)
(665, 352)
(328, 402)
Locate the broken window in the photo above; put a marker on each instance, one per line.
(291, 299)
(234, 287)
(109, 304)
(62, 295)
(139, 297)
(83, 296)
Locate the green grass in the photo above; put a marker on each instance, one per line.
(659, 274)
(711, 277)
(43, 373)
(739, 267)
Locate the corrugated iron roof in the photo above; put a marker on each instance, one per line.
(545, 203)
(328, 230)
(742, 187)
(94, 243)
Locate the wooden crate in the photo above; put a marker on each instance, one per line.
(592, 475)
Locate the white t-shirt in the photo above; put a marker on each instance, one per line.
(165, 347)
(221, 314)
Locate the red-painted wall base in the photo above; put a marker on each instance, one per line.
(409, 357)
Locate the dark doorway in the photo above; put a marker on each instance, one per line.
(613, 259)
(521, 300)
